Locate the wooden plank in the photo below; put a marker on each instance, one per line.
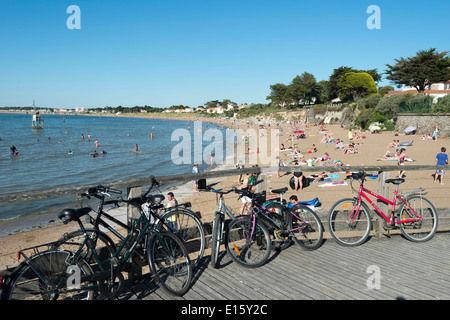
(408, 271)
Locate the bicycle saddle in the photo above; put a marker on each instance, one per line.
(68, 215)
(282, 190)
(395, 181)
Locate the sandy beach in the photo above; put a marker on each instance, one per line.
(369, 148)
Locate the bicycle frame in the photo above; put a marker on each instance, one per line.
(265, 217)
(223, 209)
(362, 194)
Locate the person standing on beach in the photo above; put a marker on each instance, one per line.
(401, 161)
(435, 133)
(212, 159)
(298, 183)
(172, 220)
(441, 160)
(195, 182)
(247, 185)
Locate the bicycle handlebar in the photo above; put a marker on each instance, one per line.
(100, 189)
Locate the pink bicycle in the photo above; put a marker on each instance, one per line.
(350, 221)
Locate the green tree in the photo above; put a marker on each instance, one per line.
(323, 92)
(382, 91)
(420, 71)
(356, 85)
(277, 94)
(333, 83)
(302, 89)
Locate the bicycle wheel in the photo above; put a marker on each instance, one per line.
(247, 242)
(169, 262)
(279, 241)
(104, 245)
(45, 276)
(349, 226)
(186, 226)
(305, 227)
(422, 230)
(216, 236)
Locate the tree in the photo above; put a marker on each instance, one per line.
(302, 89)
(323, 91)
(382, 91)
(356, 85)
(420, 71)
(333, 82)
(277, 94)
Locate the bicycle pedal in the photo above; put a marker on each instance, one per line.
(387, 234)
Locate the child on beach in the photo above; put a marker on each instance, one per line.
(441, 160)
(292, 201)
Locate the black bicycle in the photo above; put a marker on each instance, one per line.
(51, 272)
(180, 220)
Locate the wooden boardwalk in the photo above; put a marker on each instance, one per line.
(409, 271)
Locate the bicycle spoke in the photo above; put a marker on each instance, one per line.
(418, 219)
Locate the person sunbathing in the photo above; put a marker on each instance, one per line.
(394, 144)
(325, 157)
(387, 156)
(350, 149)
(317, 177)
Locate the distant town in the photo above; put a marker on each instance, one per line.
(218, 109)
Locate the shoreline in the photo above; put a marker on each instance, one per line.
(35, 221)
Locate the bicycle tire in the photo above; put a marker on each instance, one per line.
(217, 229)
(169, 263)
(104, 245)
(418, 231)
(248, 245)
(306, 227)
(189, 229)
(279, 241)
(347, 233)
(44, 276)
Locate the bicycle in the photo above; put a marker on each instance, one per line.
(183, 222)
(350, 221)
(299, 222)
(58, 273)
(247, 241)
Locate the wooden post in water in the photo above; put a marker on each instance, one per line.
(135, 272)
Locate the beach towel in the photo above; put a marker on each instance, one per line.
(333, 184)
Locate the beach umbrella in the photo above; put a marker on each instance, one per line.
(409, 129)
(299, 131)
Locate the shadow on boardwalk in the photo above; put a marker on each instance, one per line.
(409, 271)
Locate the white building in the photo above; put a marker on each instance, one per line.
(436, 90)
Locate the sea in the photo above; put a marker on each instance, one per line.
(61, 155)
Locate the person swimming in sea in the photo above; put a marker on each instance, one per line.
(13, 150)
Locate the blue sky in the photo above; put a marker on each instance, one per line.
(170, 52)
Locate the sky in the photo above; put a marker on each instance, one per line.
(169, 52)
